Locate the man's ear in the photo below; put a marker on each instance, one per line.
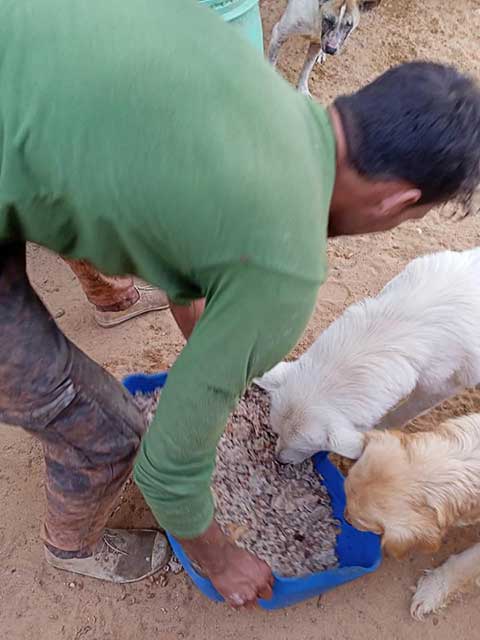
(275, 378)
(368, 5)
(399, 200)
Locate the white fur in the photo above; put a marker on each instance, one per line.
(385, 361)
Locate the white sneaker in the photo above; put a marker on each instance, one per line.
(122, 556)
(150, 299)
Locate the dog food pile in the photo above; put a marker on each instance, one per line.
(281, 513)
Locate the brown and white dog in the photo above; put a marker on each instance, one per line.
(410, 488)
(325, 23)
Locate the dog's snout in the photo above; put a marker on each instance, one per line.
(330, 49)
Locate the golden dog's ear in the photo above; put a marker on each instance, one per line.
(431, 546)
(424, 534)
(397, 542)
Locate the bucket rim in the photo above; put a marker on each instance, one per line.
(230, 9)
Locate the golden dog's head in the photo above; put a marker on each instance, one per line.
(384, 495)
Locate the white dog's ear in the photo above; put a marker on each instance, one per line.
(275, 378)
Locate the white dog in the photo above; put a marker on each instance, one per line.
(385, 361)
(411, 488)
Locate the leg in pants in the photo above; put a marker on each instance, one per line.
(88, 425)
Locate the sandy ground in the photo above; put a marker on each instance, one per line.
(38, 602)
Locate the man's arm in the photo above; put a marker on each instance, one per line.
(187, 316)
(251, 321)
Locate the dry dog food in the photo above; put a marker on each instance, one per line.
(281, 513)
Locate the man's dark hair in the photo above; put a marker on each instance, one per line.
(419, 122)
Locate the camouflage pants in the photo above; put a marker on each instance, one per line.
(87, 423)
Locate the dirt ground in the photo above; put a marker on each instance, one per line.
(38, 602)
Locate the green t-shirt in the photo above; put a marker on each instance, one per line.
(150, 139)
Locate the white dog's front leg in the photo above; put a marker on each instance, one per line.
(322, 57)
(312, 56)
(437, 587)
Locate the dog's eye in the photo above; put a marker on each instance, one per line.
(328, 23)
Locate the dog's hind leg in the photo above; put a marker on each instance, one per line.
(421, 400)
(436, 587)
(314, 51)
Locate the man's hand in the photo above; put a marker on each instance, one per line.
(238, 576)
(243, 578)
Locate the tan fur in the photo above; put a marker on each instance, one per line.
(411, 488)
(326, 24)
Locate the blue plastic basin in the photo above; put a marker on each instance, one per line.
(358, 553)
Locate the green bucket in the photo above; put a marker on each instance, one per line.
(244, 15)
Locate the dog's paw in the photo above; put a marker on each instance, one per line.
(431, 594)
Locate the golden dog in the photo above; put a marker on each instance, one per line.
(410, 488)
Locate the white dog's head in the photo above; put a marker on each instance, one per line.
(305, 424)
